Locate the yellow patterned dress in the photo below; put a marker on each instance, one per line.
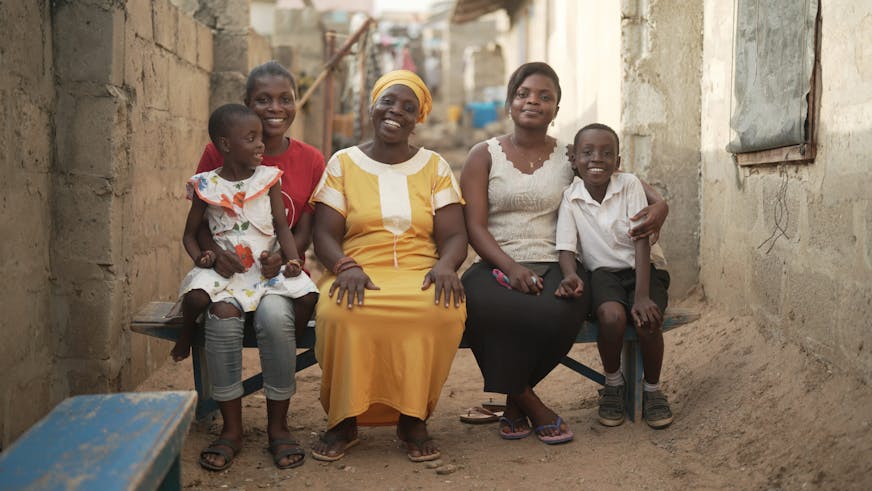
(391, 355)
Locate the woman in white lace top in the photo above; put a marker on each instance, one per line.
(518, 329)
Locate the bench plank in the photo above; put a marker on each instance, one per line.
(107, 441)
(162, 320)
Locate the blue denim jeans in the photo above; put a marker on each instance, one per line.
(276, 341)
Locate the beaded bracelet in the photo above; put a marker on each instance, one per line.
(294, 262)
(341, 262)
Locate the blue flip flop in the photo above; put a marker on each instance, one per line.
(513, 434)
(563, 437)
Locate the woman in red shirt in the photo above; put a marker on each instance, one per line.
(271, 92)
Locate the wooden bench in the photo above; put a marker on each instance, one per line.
(110, 441)
(158, 319)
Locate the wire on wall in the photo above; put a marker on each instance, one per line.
(781, 213)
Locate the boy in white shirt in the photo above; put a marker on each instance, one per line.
(627, 277)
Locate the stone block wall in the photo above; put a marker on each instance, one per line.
(812, 286)
(105, 105)
(298, 38)
(167, 74)
(660, 116)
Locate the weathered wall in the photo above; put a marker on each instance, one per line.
(298, 38)
(585, 50)
(27, 97)
(104, 107)
(661, 46)
(815, 285)
(167, 64)
(229, 20)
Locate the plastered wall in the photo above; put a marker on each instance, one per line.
(27, 97)
(813, 285)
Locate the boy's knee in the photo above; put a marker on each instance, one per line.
(612, 316)
(224, 310)
(648, 333)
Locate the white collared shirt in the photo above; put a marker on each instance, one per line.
(599, 232)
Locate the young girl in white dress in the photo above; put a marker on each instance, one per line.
(243, 205)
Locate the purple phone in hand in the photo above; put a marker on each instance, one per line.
(501, 278)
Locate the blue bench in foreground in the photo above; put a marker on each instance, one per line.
(161, 320)
(110, 441)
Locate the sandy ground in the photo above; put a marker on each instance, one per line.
(751, 412)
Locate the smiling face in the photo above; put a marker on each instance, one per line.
(535, 102)
(596, 159)
(394, 114)
(275, 103)
(243, 144)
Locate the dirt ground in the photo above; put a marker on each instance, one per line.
(751, 412)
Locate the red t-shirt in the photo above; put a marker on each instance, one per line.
(302, 166)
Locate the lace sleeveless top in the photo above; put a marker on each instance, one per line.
(522, 208)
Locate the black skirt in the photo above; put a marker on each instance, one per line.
(518, 338)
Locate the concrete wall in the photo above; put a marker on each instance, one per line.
(27, 384)
(585, 49)
(661, 44)
(167, 66)
(815, 286)
(298, 38)
(105, 106)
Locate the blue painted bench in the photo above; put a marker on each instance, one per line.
(161, 320)
(110, 441)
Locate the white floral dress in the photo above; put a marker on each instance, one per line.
(240, 219)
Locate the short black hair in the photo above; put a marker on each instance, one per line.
(598, 126)
(271, 68)
(223, 117)
(524, 71)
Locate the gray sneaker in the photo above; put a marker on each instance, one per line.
(611, 405)
(655, 409)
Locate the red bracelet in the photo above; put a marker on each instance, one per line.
(341, 262)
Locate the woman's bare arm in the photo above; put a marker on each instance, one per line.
(473, 184)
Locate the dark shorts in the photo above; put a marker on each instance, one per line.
(620, 286)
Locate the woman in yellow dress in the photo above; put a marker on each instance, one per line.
(389, 225)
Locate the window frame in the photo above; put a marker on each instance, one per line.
(806, 151)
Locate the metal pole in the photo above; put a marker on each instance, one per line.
(327, 142)
(332, 62)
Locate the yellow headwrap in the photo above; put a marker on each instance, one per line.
(410, 80)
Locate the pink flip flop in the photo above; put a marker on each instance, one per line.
(513, 434)
(563, 437)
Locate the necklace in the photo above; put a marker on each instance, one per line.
(532, 162)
